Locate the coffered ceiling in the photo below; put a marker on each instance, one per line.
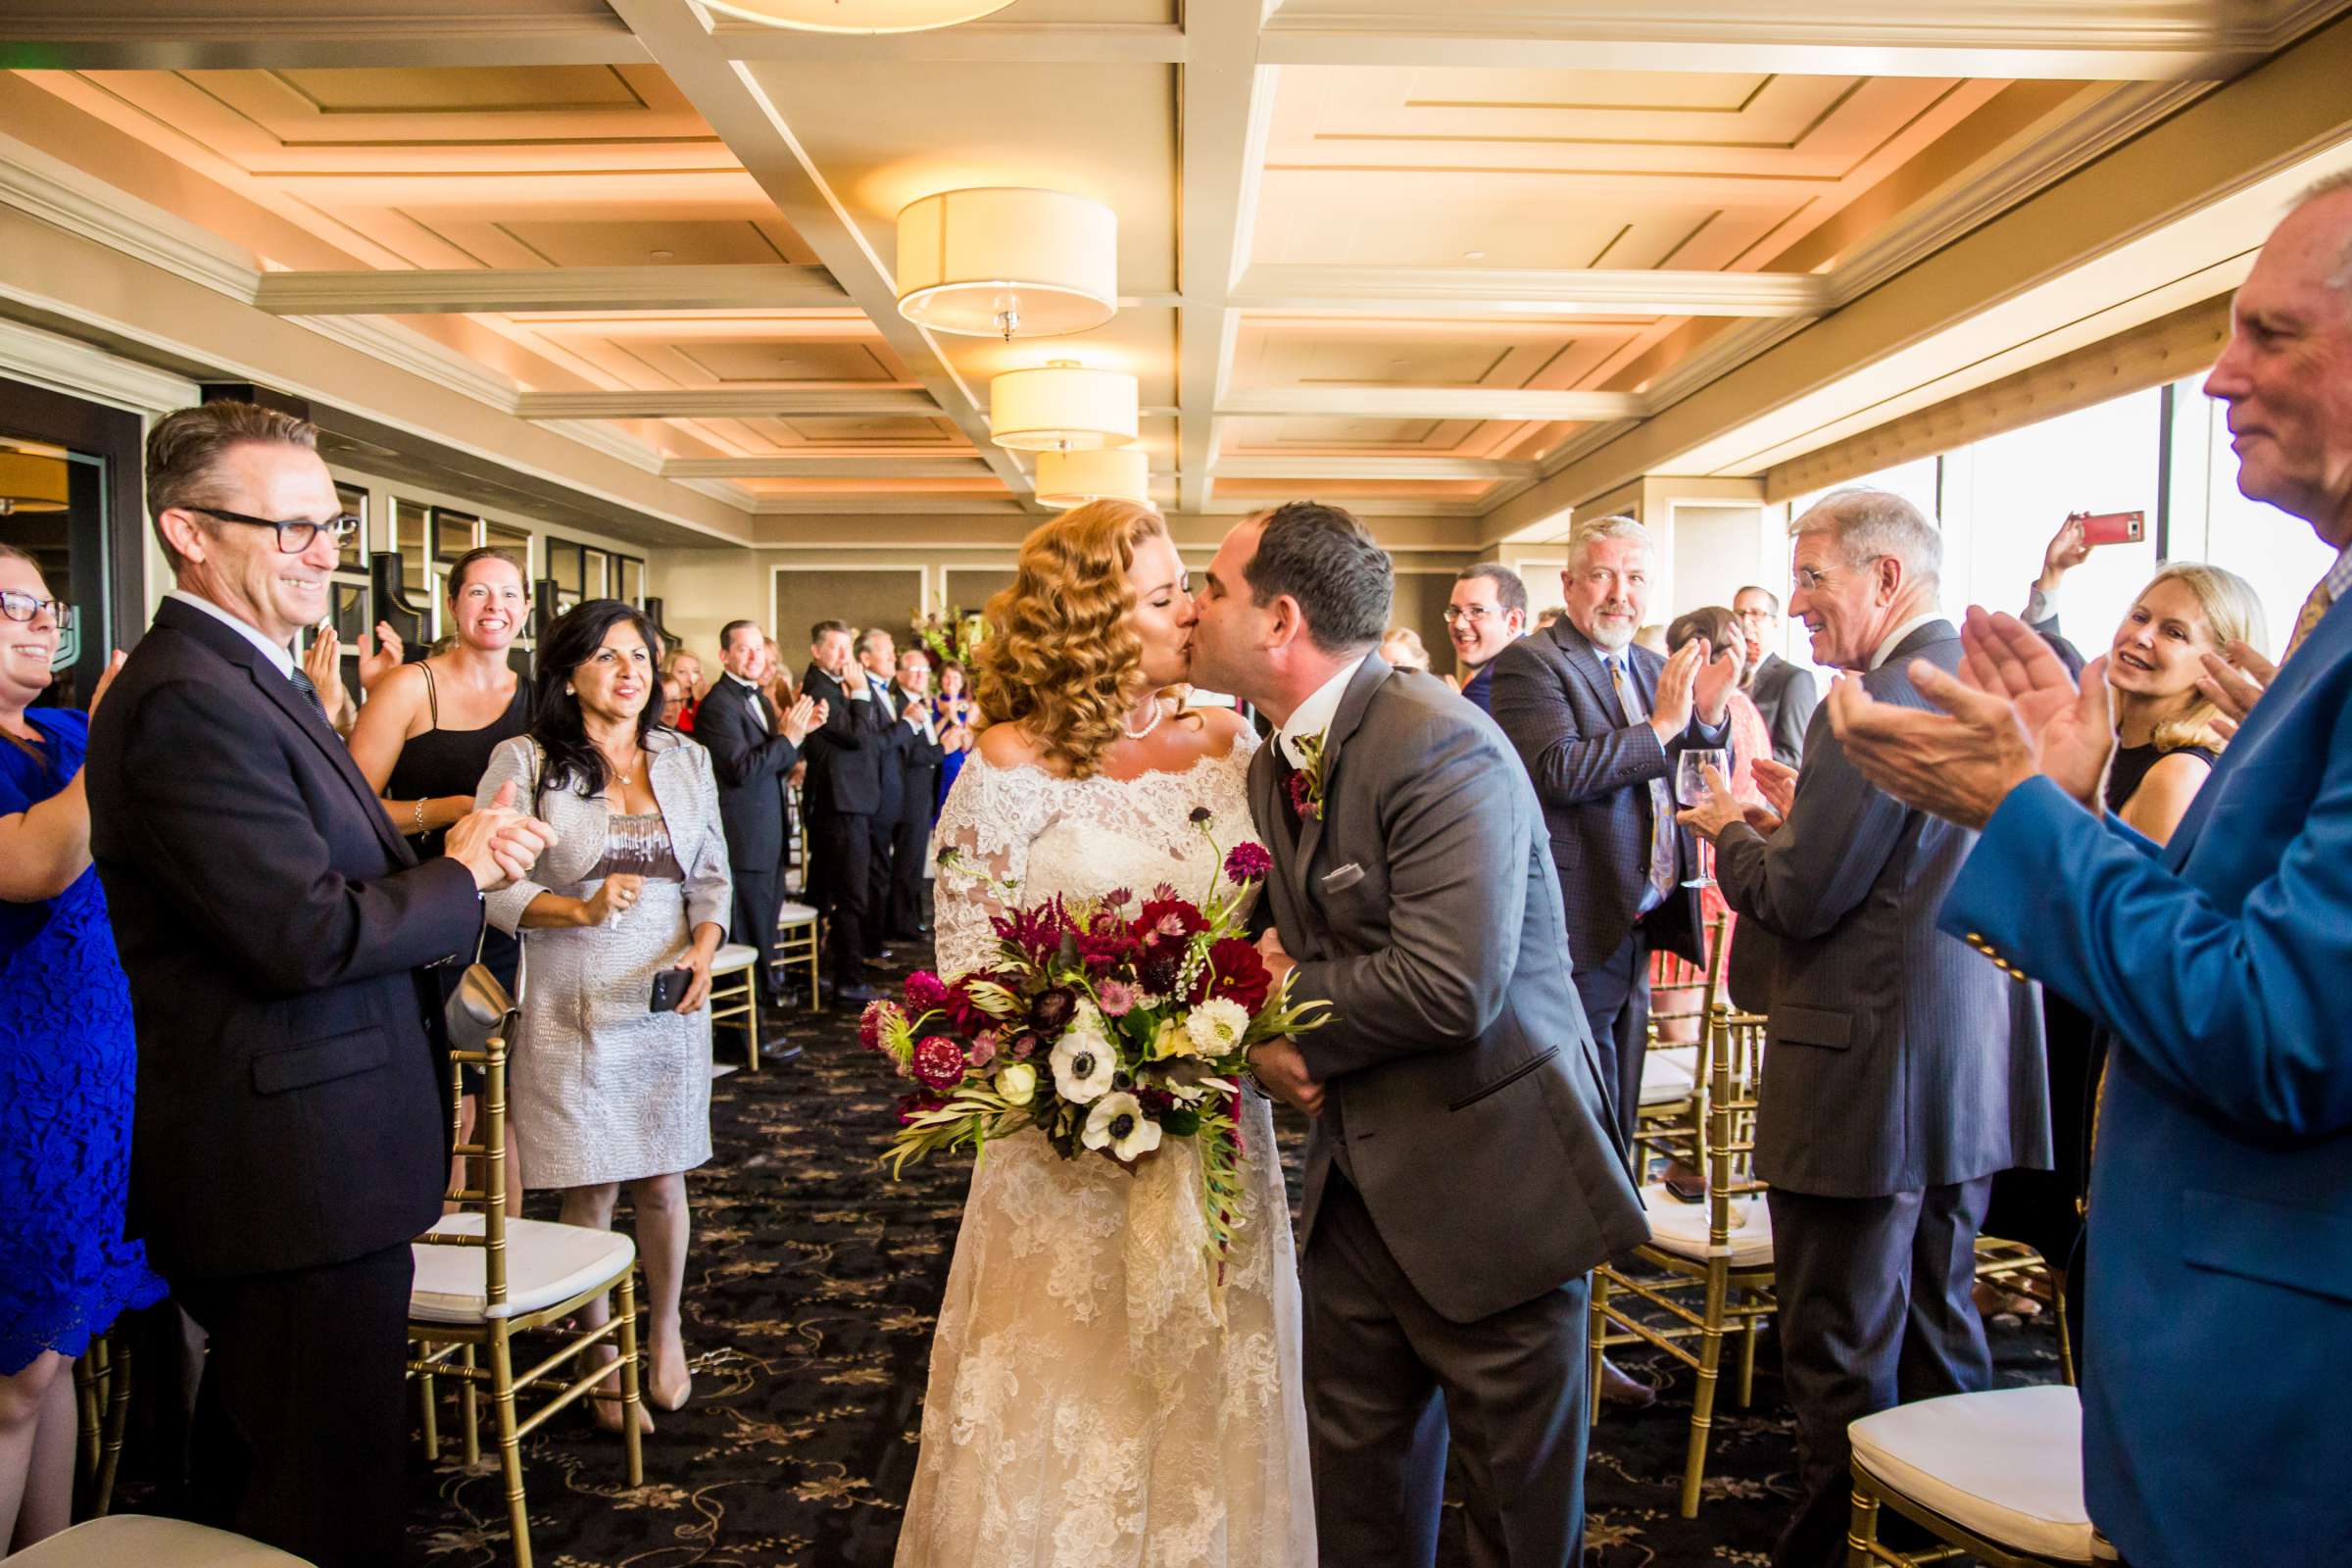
(1415, 257)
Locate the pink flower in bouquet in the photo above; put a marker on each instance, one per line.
(1118, 898)
(877, 1020)
(939, 1061)
(1166, 922)
(1248, 861)
(1237, 972)
(1116, 997)
(1024, 1046)
(1107, 942)
(984, 1050)
(925, 991)
(1050, 1012)
(961, 1011)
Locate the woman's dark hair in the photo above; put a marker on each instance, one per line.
(1327, 560)
(572, 760)
(1718, 625)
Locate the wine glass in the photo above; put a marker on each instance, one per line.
(1691, 787)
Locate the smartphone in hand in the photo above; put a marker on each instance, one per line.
(670, 989)
(2112, 527)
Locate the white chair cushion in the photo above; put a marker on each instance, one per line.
(1681, 1228)
(1664, 1081)
(132, 1538)
(733, 955)
(546, 1264)
(2007, 1464)
(795, 913)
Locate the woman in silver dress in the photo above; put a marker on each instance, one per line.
(608, 1089)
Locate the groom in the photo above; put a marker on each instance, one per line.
(1461, 1177)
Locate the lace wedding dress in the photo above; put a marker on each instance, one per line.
(1086, 1408)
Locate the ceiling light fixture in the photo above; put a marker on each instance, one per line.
(1008, 263)
(859, 15)
(1104, 473)
(1062, 406)
(30, 481)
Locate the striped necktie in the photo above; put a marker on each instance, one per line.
(2314, 609)
(1661, 804)
(302, 684)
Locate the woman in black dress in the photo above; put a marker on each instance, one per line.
(425, 735)
(2165, 747)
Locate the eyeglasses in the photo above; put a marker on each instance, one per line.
(294, 536)
(1810, 580)
(1475, 615)
(23, 607)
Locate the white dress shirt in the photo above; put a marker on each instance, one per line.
(1894, 637)
(281, 658)
(1314, 715)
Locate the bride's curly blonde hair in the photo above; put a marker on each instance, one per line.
(1061, 660)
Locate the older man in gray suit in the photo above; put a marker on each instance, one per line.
(1461, 1176)
(1902, 1068)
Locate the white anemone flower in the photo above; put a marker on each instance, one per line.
(1083, 1065)
(1216, 1026)
(1118, 1121)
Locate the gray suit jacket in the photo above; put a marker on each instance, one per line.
(1421, 906)
(1786, 694)
(1898, 1057)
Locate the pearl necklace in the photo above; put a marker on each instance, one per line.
(1158, 712)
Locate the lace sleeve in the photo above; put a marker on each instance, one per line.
(990, 817)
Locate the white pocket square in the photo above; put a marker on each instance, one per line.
(1340, 880)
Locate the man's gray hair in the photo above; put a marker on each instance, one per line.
(1586, 535)
(867, 638)
(1870, 523)
(2339, 276)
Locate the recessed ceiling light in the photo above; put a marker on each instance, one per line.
(1474, 256)
(659, 256)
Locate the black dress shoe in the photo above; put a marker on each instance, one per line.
(856, 991)
(781, 1053)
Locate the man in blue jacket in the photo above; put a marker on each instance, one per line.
(2221, 1201)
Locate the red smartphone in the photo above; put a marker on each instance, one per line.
(2112, 527)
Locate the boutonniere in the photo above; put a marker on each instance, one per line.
(1306, 781)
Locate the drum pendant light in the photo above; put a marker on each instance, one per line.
(1009, 263)
(1061, 406)
(859, 15)
(1101, 473)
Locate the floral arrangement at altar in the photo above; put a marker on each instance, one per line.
(955, 637)
(1110, 1025)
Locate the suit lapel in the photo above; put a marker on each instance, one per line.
(1584, 660)
(1369, 676)
(280, 692)
(1264, 802)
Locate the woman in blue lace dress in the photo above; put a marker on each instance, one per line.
(66, 1071)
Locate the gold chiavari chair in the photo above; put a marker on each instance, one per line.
(101, 1399)
(1995, 1477)
(797, 946)
(483, 1278)
(734, 1000)
(1683, 994)
(2020, 1270)
(1719, 1252)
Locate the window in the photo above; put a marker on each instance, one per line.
(2277, 553)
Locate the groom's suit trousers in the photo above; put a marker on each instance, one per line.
(1389, 1380)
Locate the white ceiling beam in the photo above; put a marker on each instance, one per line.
(879, 505)
(731, 402)
(1227, 104)
(2077, 43)
(1359, 505)
(467, 290)
(845, 466)
(1380, 467)
(1427, 403)
(735, 104)
(113, 35)
(1050, 43)
(1516, 291)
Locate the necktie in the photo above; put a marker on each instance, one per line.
(302, 684)
(2314, 608)
(1661, 805)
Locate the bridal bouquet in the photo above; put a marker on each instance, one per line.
(1109, 1024)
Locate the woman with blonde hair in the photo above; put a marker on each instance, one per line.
(1084, 1401)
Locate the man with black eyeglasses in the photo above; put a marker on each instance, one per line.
(1487, 613)
(291, 1124)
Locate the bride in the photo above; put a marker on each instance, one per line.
(1087, 1408)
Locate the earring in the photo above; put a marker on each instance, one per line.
(570, 691)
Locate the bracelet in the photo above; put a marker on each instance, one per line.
(418, 830)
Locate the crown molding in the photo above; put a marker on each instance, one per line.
(467, 290)
(612, 444)
(1528, 291)
(731, 402)
(403, 348)
(844, 466)
(74, 368)
(1429, 403)
(63, 197)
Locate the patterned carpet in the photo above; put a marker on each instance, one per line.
(810, 1292)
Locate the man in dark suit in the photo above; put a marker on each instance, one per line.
(844, 795)
(1783, 691)
(1462, 1176)
(753, 748)
(289, 1139)
(904, 726)
(2221, 1188)
(1485, 613)
(1598, 722)
(1902, 1070)
(911, 844)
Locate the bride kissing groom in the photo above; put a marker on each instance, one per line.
(1084, 1408)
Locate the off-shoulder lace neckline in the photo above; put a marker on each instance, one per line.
(1186, 772)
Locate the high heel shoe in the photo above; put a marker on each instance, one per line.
(672, 1397)
(608, 1407)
